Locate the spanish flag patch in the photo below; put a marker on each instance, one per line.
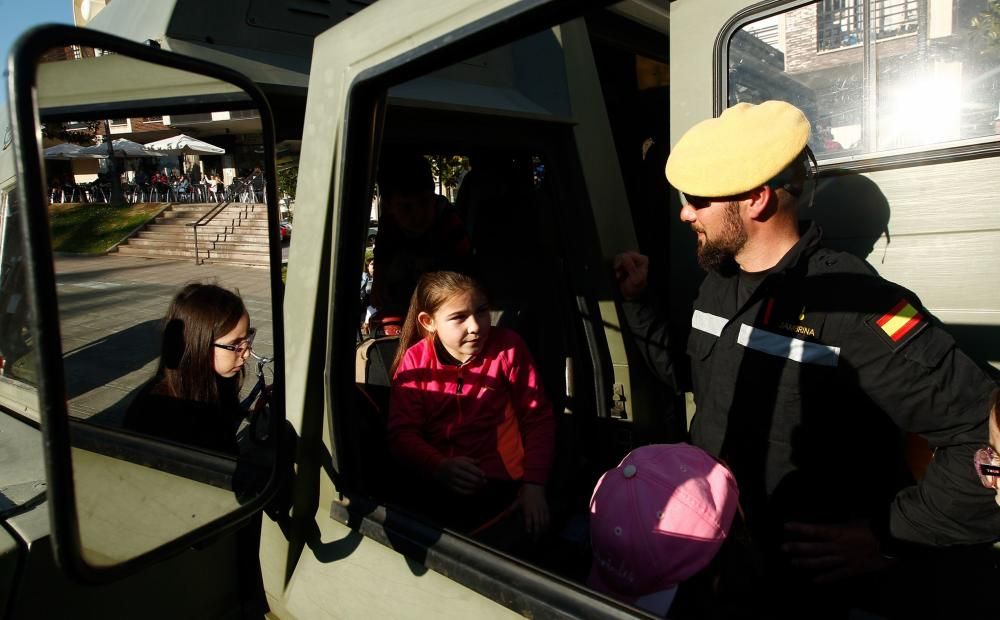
(900, 324)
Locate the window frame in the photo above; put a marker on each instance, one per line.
(45, 325)
(969, 148)
(522, 587)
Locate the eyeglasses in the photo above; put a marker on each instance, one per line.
(241, 347)
(987, 465)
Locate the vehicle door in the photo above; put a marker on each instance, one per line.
(513, 88)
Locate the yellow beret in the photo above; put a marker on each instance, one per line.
(741, 150)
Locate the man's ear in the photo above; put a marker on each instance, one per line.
(426, 321)
(763, 203)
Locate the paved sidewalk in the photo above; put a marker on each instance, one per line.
(110, 313)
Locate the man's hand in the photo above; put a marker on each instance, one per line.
(834, 552)
(534, 508)
(632, 273)
(460, 475)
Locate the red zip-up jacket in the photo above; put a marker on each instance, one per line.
(491, 408)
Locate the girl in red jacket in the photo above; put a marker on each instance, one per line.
(467, 409)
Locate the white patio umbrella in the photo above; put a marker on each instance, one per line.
(185, 144)
(122, 148)
(68, 150)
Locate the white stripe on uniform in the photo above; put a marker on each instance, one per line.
(708, 323)
(794, 349)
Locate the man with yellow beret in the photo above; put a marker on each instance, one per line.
(807, 368)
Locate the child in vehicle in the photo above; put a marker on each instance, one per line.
(467, 410)
(194, 396)
(656, 520)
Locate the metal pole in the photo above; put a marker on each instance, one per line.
(116, 196)
(196, 261)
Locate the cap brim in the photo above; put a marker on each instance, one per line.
(657, 603)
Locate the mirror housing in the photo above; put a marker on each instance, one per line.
(85, 94)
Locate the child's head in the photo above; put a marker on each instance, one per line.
(451, 307)
(656, 520)
(206, 339)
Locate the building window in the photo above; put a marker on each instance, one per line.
(841, 23)
(873, 76)
(201, 117)
(244, 114)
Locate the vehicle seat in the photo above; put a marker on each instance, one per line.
(367, 428)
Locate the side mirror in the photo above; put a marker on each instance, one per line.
(141, 272)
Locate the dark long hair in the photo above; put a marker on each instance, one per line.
(433, 290)
(995, 409)
(198, 315)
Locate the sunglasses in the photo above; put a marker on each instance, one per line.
(987, 466)
(700, 202)
(241, 347)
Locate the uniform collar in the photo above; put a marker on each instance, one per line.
(794, 261)
(802, 250)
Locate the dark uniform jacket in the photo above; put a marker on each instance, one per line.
(806, 388)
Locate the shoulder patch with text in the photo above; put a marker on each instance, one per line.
(899, 325)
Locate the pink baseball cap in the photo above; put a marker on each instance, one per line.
(656, 520)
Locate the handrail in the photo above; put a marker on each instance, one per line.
(204, 221)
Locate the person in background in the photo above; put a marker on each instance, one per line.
(657, 520)
(256, 182)
(468, 413)
(367, 283)
(419, 232)
(214, 184)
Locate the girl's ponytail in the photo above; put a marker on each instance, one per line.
(411, 331)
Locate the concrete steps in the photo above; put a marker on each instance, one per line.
(237, 235)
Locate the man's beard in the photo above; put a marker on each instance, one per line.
(719, 254)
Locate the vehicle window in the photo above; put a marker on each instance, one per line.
(469, 179)
(875, 77)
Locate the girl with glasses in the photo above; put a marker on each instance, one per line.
(194, 396)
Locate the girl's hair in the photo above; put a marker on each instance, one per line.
(433, 290)
(198, 315)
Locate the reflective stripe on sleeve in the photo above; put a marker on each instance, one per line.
(787, 347)
(708, 323)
